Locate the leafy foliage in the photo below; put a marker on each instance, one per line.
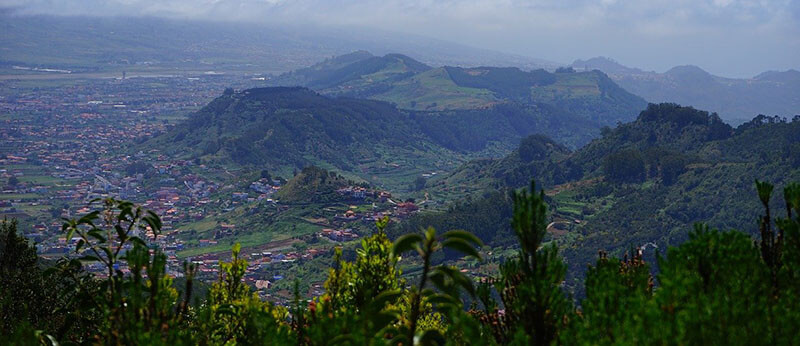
(480, 215)
(671, 168)
(34, 298)
(234, 315)
(624, 166)
(717, 287)
(536, 307)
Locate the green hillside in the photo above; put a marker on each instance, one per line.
(320, 70)
(590, 94)
(412, 85)
(537, 156)
(364, 76)
(283, 129)
(506, 82)
(289, 128)
(433, 90)
(311, 184)
(505, 125)
(356, 74)
(644, 182)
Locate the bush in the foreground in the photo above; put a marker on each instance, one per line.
(716, 288)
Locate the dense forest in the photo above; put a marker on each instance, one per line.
(718, 287)
(296, 127)
(644, 182)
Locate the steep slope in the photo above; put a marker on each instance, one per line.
(284, 128)
(592, 95)
(502, 126)
(645, 182)
(659, 130)
(662, 130)
(736, 100)
(712, 184)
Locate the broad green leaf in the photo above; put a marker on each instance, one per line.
(463, 235)
(89, 258)
(461, 246)
(388, 296)
(438, 299)
(406, 243)
(431, 337)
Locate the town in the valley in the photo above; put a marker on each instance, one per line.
(69, 144)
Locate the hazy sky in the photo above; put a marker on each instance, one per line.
(737, 38)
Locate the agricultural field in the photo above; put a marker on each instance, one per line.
(433, 90)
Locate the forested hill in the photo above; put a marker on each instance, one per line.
(646, 181)
(655, 193)
(412, 85)
(536, 156)
(312, 184)
(287, 128)
(661, 133)
(296, 127)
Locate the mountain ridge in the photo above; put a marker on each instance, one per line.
(286, 128)
(415, 86)
(736, 99)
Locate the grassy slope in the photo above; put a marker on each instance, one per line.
(568, 85)
(434, 90)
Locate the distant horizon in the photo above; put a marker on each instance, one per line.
(10, 12)
(728, 38)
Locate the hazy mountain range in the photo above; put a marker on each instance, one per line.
(736, 100)
(82, 44)
(100, 43)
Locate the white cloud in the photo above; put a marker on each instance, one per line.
(654, 34)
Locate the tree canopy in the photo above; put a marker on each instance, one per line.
(718, 287)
